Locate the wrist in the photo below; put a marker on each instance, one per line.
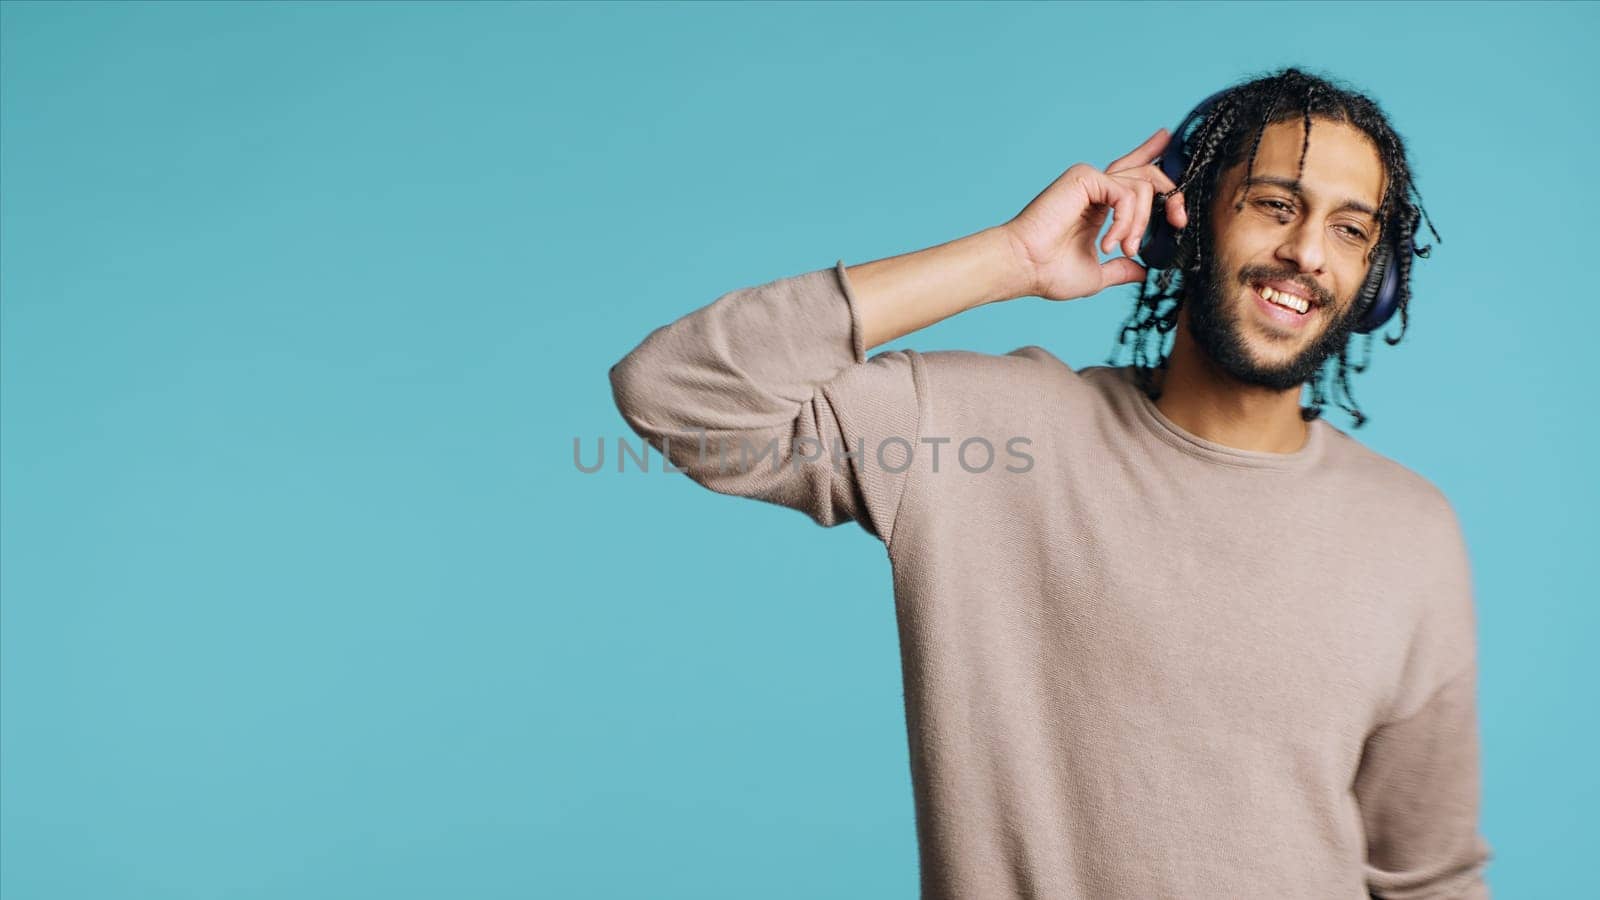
(1016, 274)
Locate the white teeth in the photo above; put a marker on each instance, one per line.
(1284, 299)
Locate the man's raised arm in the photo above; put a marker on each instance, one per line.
(767, 392)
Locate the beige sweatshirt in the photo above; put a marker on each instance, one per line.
(1138, 664)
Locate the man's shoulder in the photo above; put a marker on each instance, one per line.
(1401, 492)
(1027, 366)
(1029, 382)
(1022, 358)
(1422, 547)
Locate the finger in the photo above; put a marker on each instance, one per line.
(1121, 270)
(1151, 173)
(1121, 198)
(1176, 213)
(1130, 226)
(1098, 191)
(1147, 152)
(1143, 205)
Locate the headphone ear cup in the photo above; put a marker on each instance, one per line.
(1373, 282)
(1159, 248)
(1380, 293)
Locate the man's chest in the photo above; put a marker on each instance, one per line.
(1241, 618)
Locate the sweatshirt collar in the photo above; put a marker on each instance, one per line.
(1176, 436)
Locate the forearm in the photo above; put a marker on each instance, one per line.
(901, 294)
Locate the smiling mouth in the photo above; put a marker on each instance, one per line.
(1284, 299)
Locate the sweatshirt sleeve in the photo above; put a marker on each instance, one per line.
(1418, 790)
(767, 393)
(1418, 783)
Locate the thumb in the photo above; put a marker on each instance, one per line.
(1121, 270)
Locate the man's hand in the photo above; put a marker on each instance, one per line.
(1055, 233)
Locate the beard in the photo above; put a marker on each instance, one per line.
(1216, 324)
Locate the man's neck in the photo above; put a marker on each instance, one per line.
(1207, 402)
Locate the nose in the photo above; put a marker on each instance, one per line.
(1302, 245)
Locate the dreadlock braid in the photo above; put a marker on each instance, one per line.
(1255, 142)
(1232, 131)
(1158, 311)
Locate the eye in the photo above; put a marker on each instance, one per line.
(1277, 209)
(1354, 232)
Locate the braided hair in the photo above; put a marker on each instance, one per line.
(1232, 130)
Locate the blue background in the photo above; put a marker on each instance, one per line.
(304, 305)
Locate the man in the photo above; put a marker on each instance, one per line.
(1201, 643)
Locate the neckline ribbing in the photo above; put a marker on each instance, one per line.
(1176, 436)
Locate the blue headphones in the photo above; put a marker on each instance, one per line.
(1380, 293)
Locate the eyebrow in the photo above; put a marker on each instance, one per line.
(1293, 186)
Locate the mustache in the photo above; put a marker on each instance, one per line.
(1266, 273)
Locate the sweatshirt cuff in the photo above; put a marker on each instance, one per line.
(857, 348)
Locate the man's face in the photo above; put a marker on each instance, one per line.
(1301, 242)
